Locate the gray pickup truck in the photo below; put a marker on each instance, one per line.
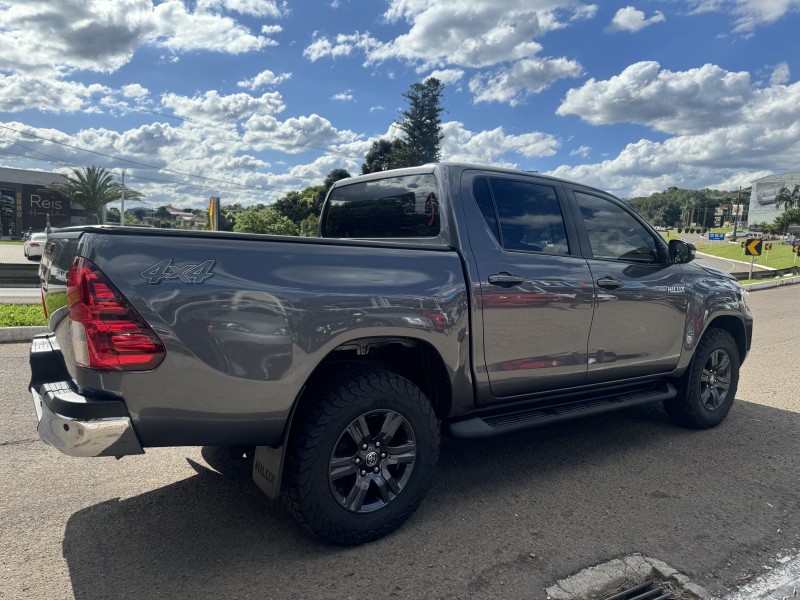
(447, 298)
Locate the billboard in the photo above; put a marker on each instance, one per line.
(762, 196)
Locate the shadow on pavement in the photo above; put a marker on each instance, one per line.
(714, 504)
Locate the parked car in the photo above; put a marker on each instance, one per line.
(450, 298)
(33, 247)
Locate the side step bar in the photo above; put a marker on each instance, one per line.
(504, 422)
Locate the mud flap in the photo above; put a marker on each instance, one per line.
(268, 469)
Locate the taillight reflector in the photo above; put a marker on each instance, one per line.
(107, 333)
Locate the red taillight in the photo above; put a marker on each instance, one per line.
(107, 333)
(33, 244)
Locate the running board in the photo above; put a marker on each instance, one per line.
(515, 420)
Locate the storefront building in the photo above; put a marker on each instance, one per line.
(26, 204)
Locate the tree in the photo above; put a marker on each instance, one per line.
(264, 220)
(93, 188)
(788, 199)
(383, 155)
(421, 126)
(789, 217)
(422, 122)
(319, 196)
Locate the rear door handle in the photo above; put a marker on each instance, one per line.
(609, 283)
(506, 279)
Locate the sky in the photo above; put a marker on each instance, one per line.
(251, 99)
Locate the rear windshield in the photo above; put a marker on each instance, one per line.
(395, 207)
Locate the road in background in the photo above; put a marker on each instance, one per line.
(505, 518)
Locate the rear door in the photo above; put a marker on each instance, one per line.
(534, 291)
(641, 301)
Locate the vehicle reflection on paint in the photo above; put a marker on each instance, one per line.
(561, 360)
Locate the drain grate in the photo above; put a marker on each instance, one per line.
(649, 590)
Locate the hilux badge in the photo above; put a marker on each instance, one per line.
(166, 269)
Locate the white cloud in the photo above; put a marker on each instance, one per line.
(475, 34)
(527, 76)
(673, 102)
(493, 147)
(215, 108)
(632, 19)
(103, 35)
(21, 92)
(343, 45)
(256, 8)
(179, 30)
(43, 36)
(376, 108)
(294, 135)
(764, 136)
(345, 96)
(135, 90)
(747, 14)
(264, 79)
(447, 76)
(780, 74)
(581, 151)
(270, 29)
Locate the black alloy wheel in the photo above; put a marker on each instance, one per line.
(372, 461)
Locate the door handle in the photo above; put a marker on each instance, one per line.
(506, 279)
(609, 283)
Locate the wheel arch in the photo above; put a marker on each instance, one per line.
(736, 328)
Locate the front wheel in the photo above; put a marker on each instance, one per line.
(361, 458)
(709, 386)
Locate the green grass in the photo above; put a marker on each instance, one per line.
(17, 315)
(780, 257)
(11, 243)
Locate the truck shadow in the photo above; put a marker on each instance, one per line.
(708, 503)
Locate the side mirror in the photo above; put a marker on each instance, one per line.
(681, 252)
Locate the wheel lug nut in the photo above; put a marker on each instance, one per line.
(383, 454)
(363, 473)
(377, 444)
(358, 460)
(376, 470)
(364, 446)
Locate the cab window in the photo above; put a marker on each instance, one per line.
(614, 233)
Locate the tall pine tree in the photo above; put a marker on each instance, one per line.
(421, 125)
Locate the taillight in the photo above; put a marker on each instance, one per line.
(107, 333)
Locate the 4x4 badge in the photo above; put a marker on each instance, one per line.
(186, 273)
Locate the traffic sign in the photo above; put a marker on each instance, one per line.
(796, 249)
(716, 236)
(744, 244)
(767, 247)
(752, 247)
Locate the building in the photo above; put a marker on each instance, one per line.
(26, 204)
(762, 196)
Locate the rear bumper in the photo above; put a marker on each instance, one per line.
(75, 424)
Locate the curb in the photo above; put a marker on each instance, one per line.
(764, 285)
(20, 334)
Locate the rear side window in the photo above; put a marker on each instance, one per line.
(529, 214)
(395, 207)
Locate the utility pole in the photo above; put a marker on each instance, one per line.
(122, 201)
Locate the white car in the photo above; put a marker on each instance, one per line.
(34, 245)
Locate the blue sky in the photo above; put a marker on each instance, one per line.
(249, 99)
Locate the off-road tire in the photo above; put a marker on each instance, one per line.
(325, 425)
(700, 403)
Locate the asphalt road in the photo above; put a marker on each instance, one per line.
(505, 517)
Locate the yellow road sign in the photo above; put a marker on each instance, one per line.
(744, 244)
(767, 247)
(753, 247)
(796, 249)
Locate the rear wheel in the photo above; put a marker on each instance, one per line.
(709, 386)
(361, 458)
